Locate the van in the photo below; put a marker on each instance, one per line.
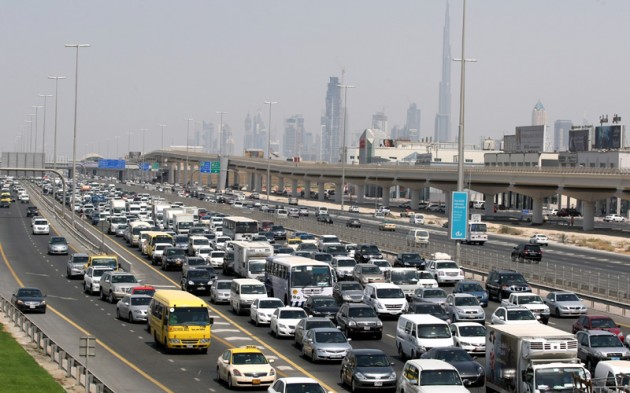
(179, 320)
(385, 298)
(417, 333)
(418, 237)
(243, 292)
(416, 219)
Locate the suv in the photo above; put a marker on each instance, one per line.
(115, 285)
(92, 278)
(410, 259)
(596, 345)
(527, 252)
(365, 252)
(32, 211)
(501, 283)
(568, 213)
(359, 318)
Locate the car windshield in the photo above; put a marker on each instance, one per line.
(224, 284)
(307, 246)
(144, 291)
(434, 331)
(58, 240)
(439, 377)
(199, 273)
(273, 303)
(472, 331)
(325, 302)
(471, 287)
(530, 300)
(292, 314)
(516, 278)
(390, 293)
(306, 387)
(362, 312)
(466, 301)
(189, 316)
(453, 355)
(567, 297)
(80, 259)
(428, 308)
(330, 337)
(124, 278)
(175, 252)
(603, 323)
(351, 286)
(431, 293)
(403, 277)
(140, 301)
(29, 292)
(411, 257)
(381, 263)
(370, 250)
(446, 265)
(520, 315)
(196, 261)
(376, 360)
(558, 379)
(249, 358)
(316, 324)
(253, 289)
(370, 270)
(605, 340)
(346, 263)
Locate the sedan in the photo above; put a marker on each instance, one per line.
(614, 218)
(470, 336)
(321, 306)
(296, 384)
(562, 304)
(469, 369)
(283, 320)
(325, 344)
(133, 308)
(220, 291)
(29, 299)
(512, 316)
(597, 322)
(540, 239)
(353, 223)
(58, 245)
(245, 367)
(429, 295)
(348, 291)
(387, 226)
(76, 265)
(367, 369)
(307, 324)
(261, 310)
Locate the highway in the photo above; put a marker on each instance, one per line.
(127, 359)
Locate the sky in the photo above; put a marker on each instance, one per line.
(163, 62)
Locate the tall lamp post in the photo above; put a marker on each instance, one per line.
(187, 151)
(74, 133)
(30, 124)
(45, 96)
(143, 175)
(270, 103)
(56, 78)
(344, 148)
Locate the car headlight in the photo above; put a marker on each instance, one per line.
(392, 375)
(43, 303)
(359, 375)
(379, 323)
(347, 297)
(352, 323)
(191, 282)
(272, 371)
(20, 302)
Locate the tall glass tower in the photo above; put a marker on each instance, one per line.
(331, 137)
(443, 117)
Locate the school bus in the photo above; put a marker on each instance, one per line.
(103, 260)
(179, 320)
(154, 238)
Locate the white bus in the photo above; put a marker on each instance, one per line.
(293, 279)
(239, 228)
(477, 233)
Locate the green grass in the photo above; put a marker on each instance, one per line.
(19, 372)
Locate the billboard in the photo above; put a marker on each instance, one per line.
(579, 140)
(388, 143)
(530, 139)
(608, 137)
(509, 143)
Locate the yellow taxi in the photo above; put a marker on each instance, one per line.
(294, 242)
(5, 199)
(245, 367)
(387, 226)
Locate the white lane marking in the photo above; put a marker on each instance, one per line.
(284, 368)
(237, 338)
(225, 330)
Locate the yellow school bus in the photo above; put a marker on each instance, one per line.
(154, 238)
(103, 260)
(179, 320)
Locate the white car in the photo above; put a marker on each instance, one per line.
(540, 239)
(261, 310)
(296, 384)
(445, 271)
(513, 316)
(283, 321)
(614, 218)
(204, 252)
(353, 209)
(41, 226)
(216, 258)
(471, 336)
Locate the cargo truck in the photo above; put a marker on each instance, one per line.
(117, 207)
(531, 359)
(169, 213)
(250, 258)
(182, 222)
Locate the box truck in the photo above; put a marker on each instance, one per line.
(250, 258)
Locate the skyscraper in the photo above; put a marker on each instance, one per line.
(412, 127)
(561, 135)
(379, 122)
(331, 137)
(293, 141)
(443, 117)
(539, 115)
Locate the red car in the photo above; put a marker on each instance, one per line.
(597, 322)
(143, 290)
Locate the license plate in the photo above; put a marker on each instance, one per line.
(201, 287)
(615, 358)
(378, 383)
(366, 328)
(31, 306)
(189, 346)
(255, 381)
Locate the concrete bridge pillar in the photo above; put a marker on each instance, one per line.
(489, 204)
(588, 215)
(360, 193)
(415, 198)
(294, 188)
(537, 216)
(251, 183)
(199, 177)
(171, 173)
(338, 192)
(386, 195)
(280, 184)
(320, 191)
(259, 182)
(180, 174)
(307, 188)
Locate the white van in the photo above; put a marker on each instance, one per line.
(243, 292)
(417, 333)
(418, 237)
(416, 219)
(386, 298)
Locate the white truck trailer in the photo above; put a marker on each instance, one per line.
(531, 359)
(117, 207)
(169, 213)
(182, 222)
(250, 258)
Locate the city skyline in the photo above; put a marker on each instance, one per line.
(159, 64)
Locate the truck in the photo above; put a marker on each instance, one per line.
(117, 207)
(158, 212)
(182, 222)
(194, 211)
(169, 213)
(477, 232)
(532, 302)
(250, 258)
(531, 359)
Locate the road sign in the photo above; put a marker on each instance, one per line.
(205, 166)
(155, 166)
(111, 164)
(215, 167)
(459, 215)
(87, 346)
(145, 166)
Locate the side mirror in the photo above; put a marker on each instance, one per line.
(211, 321)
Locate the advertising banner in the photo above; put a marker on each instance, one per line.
(579, 140)
(530, 139)
(608, 137)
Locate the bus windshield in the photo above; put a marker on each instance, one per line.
(478, 227)
(311, 276)
(186, 316)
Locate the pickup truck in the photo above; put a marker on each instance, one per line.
(532, 302)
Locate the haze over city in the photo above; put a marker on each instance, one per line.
(160, 62)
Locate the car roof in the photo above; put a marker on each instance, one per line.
(368, 351)
(431, 364)
(246, 349)
(599, 333)
(290, 380)
(325, 329)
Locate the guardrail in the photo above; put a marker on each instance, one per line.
(73, 367)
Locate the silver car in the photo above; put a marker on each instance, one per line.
(429, 295)
(562, 304)
(325, 344)
(310, 323)
(464, 307)
(220, 291)
(58, 245)
(133, 308)
(76, 265)
(596, 345)
(348, 292)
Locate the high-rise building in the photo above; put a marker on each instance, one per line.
(255, 133)
(207, 136)
(539, 115)
(561, 135)
(443, 117)
(331, 137)
(293, 142)
(379, 122)
(412, 127)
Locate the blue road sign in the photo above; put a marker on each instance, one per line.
(459, 215)
(145, 166)
(111, 164)
(215, 167)
(205, 166)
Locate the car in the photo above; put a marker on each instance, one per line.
(245, 367)
(283, 321)
(348, 292)
(562, 304)
(40, 226)
(570, 212)
(513, 316)
(173, 257)
(474, 288)
(614, 218)
(148, 290)
(470, 336)
(134, 308)
(220, 291)
(353, 223)
(305, 324)
(526, 252)
(75, 265)
(196, 280)
(445, 271)
(325, 343)
(367, 369)
(58, 245)
(191, 263)
(430, 308)
(321, 306)
(303, 212)
(294, 212)
(387, 226)
(409, 259)
(324, 218)
(353, 209)
(597, 345)
(27, 299)
(343, 266)
(501, 282)
(92, 278)
(120, 230)
(382, 264)
(278, 231)
(597, 322)
(429, 295)
(539, 238)
(365, 252)
(32, 211)
(116, 284)
(429, 375)
(464, 307)
(470, 371)
(296, 385)
(359, 319)
(365, 273)
(261, 310)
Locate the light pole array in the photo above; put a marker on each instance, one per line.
(270, 103)
(56, 78)
(45, 96)
(74, 134)
(344, 149)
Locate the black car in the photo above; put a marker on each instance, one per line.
(29, 299)
(322, 257)
(32, 211)
(501, 283)
(429, 308)
(410, 259)
(365, 252)
(279, 233)
(173, 257)
(353, 223)
(197, 280)
(359, 318)
(325, 218)
(471, 372)
(526, 252)
(564, 212)
(321, 306)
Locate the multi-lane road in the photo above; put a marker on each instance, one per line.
(127, 359)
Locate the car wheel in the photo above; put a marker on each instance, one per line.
(111, 297)
(118, 313)
(589, 364)
(348, 333)
(101, 295)
(131, 320)
(85, 290)
(521, 259)
(413, 354)
(229, 382)
(302, 352)
(256, 321)
(354, 387)
(218, 375)
(313, 356)
(401, 353)
(68, 276)
(557, 312)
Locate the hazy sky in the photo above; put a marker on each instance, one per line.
(160, 62)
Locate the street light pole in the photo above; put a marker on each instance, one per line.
(44, 125)
(56, 78)
(187, 151)
(142, 173)
(30, 139)
(74, 134)
(270, 103)
(344, 148)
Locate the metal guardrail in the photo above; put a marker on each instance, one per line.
(73, 367)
